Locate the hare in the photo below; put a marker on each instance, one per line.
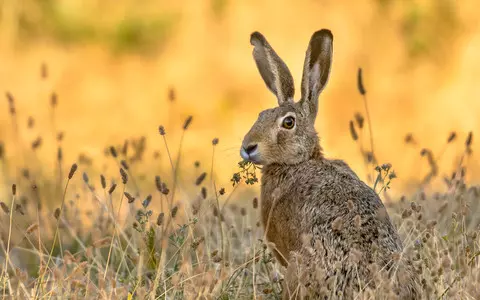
(328, 227)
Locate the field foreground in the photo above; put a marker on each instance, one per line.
(180, 236)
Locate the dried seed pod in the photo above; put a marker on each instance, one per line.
(353, 132)
(243, 211)
(161, 130)
(171, 94)
(187, 123)
(59, 154)
(124, 164)
(359, 119)
(54, 100)
(468, 141)
(200, 178)
(165, 190)
(160, 219)
(451, 137)
(361, 87)
(19, 209)
(147, 201)
(103, 182)
(124, 176)
(112, 188)
(174, 211)
(85, 177)
(56, 214)
(73, 169)
(130, 198)
(113, 152)
(4, 207)
(158, 183)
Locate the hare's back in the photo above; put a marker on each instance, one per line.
(344, 209)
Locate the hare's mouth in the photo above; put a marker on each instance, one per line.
(251, 154)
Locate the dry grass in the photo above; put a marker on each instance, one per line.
(127, 225)
(179, 236)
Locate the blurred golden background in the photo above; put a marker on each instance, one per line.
(113, 64)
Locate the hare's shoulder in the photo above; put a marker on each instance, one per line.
(332, 183)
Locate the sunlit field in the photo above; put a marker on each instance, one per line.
(121, 126)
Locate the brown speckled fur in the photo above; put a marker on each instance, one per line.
(305, 197)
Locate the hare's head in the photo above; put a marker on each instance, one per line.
(286, 134)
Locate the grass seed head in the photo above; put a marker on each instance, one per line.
(124, 164)
(165, 189)
(161, 130)
(19, 209)
(130, 198)
(359, 119)
(124, 176)
(37, 143)
(56, 214)
(112, 188)
(113, 152)
(353, 132)
(174, 211)
(11, 103)
(200, 178)
(85, 178)
(43, 71)
(103, 181)
(54, 100)
(147, 201)
(451, 137)
(468, 141)
(5, 208)
(30, 122)
(59, 154)
(187, 123)
(243, 211)
(158, 183)
(160, 218)
(73, 169)
(360, 86)
(171, 94)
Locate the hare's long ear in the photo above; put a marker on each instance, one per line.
(316, 70)
(272, 68)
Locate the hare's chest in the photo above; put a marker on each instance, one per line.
(282, 221)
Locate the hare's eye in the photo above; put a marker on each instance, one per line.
(288, 122)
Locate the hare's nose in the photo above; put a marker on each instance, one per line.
(250, 149)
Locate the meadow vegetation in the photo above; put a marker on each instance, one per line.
(136, 234)
(149, 219)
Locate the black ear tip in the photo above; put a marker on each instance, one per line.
(257, 37)
(323, 33)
